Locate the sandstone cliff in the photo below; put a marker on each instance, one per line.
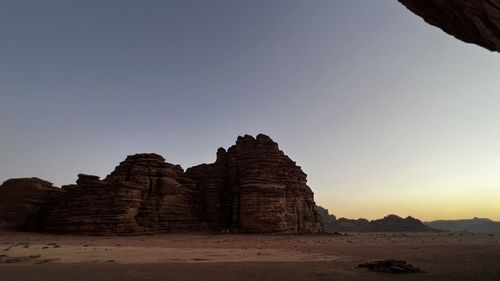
(22, 201)
(255, 187)
(144, 194)
(251, 187)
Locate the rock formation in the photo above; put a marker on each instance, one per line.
(22, 201)
(390, 223)
(255, 187)
(329, 220)
(144, 194)
(251, 187)
(480, 225)
(476, 21)
(325, 215)
(393, 223)
(350, 225)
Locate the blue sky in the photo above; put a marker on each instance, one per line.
(385, 113)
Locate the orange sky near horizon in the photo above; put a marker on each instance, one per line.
(462, 204)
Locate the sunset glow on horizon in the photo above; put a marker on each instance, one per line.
(385, 113)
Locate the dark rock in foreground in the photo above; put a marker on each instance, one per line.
(391, 266)
(252, 187)
(472, 21)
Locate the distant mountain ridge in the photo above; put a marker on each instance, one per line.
(390, 223)
(481, 225)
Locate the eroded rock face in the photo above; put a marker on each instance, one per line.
(325, 215)
(169, 200)
(329, 220)
(22, 203)
(476, 21)
(255, 187)
(144, 194)
(96, 207)
(252, 187)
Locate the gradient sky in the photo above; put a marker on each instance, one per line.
(385, 113)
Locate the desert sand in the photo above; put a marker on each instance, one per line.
(444, 256)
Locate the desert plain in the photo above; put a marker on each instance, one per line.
(443, 256)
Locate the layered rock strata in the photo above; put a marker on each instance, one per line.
(22, 203)
(144, 194)
(251, 187)
(255, 187)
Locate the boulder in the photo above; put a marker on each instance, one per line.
(391, 266)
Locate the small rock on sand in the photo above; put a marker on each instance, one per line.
(391, 266)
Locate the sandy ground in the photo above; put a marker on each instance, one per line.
(444, 256)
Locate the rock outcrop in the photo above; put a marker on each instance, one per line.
(257, 188)
(23, 201)
(393, 223)
(144, 194)
(390, 223)
(480, 225)
(475, 21)
(350, 225)
(329, 220)
(252, 187)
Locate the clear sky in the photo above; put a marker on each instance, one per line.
(385, 113)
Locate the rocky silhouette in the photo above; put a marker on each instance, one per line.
(325, 215)
(480, 225)
(475, 21)
(390, 223)
(251, 187)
